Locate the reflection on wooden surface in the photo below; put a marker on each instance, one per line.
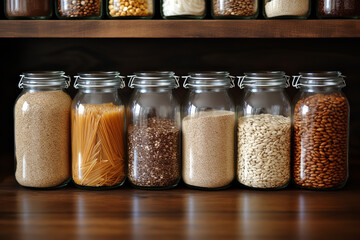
(181, 213)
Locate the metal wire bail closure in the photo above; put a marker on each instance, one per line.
(210, 79)
(158, 80)
(76, 84)
(240, 82)
(44, 78)
(99, 79)
(232, 82)
(264, 79)
(185, 84)
(122, 81)
(343, 78)
(20, 84)
(295, 81)
(68, 82)
(287, 81)
(131, 81)
(177, 78)
(319, 79)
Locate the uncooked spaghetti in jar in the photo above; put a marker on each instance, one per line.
(98, 126)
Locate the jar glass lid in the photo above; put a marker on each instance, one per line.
(264, 79)
(44, 79)
(209, 79)
(154, 79)
(99, 79)
(319, 79)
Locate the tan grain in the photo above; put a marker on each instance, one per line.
(42, 138)
(208, 149)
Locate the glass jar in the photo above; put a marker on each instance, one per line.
(130, 9)
(173, 9)
(208, 128)
(42, 130)
(79, 9)
(154, 131)
(98, 131)
(338, 9)
(245, 9)
(28, 9)
(264, 131)
(320, 131)
(298, 9)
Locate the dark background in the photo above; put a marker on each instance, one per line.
(181, 56)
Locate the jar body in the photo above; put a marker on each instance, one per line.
(338, 9)
(42, 137)
(320, 151)
(297, 9)
(208, 127)
(98, 131)
(28, 9)
(178, 9)
(134, 9)
(79, 9)
(264, 138)
(154, 138)
(246, 9)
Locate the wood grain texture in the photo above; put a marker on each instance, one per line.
(181, 213)
(180, 28)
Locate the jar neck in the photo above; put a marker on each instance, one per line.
(264, 89)
(328, 89)
(209, 89)
(154, 89)
(42, 88)
(98, 89)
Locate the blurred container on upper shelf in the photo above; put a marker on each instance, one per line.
(79, 9)
(182, 9)
(130, 9)
(295, 9)
(245, 9)
(28, 9)
(338, 9)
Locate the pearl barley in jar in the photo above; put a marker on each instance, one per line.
(321, 125)
(264, 131)
(130, 8)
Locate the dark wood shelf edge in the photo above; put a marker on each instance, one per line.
(338, 28)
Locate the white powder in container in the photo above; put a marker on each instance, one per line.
(42, 139)
(208, 149)
(183, 7)
(278, 8)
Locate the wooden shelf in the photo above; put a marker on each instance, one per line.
(179, 28)
(181, 213)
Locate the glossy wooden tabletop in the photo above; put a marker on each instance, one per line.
(127, 213)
